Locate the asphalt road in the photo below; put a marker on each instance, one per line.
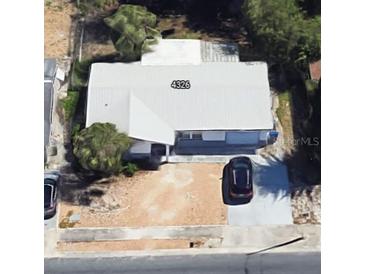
(264, 263)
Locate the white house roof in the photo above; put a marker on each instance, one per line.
(146, 125)
(140, 100)
(173, 52)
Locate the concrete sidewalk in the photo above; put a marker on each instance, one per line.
(155, 232)
(231, 238)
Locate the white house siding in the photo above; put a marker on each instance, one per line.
(214, 135)
(140, 147)
(242, 137)
(220, 137)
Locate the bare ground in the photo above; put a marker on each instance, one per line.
(123, 245)
(223, 30)
(177, 194)
(57, 27)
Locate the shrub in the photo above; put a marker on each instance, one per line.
(100, 148)
(69, 104)
(80, 74)
(129, 169)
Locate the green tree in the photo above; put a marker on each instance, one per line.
(133, 31)
(311, 7)
(100, 148)
(281, 32)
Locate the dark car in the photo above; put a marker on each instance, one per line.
(239, 175)
(50, 194)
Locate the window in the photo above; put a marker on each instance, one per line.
(191, 135)
(196, 136)
(185, 135)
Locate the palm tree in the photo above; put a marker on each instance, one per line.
(133, 30)
(100, 148)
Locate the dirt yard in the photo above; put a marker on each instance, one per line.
(123, 245)
(177, 194)
(225, 30)
(57, 27)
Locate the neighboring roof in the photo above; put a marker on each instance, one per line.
(49, 69)
(48, 94)
(223, 96)
(189, 52)
(315, 70)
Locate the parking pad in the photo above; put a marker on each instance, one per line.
(271, 202)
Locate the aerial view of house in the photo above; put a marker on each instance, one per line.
(218, 113)
(187, 128)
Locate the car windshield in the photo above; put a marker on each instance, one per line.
(241, 178)
(48, 191)
(240, 164)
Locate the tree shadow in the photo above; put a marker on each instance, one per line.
(305, 161)
(80, 188)
(271, 178)
(96, 31)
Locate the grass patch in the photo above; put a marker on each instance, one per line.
(69, 104)
(284, 113)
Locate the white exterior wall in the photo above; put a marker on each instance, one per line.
(233, 137)
(242, 137)
(141, 147)
(214, 135)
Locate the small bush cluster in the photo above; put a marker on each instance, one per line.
(80, 74)
(69, 104)
(129, 169)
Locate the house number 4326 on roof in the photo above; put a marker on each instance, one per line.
(180, 84)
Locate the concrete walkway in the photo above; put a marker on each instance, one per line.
(121, 233)
(231, 239)
(201, 158)
(250, 237)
